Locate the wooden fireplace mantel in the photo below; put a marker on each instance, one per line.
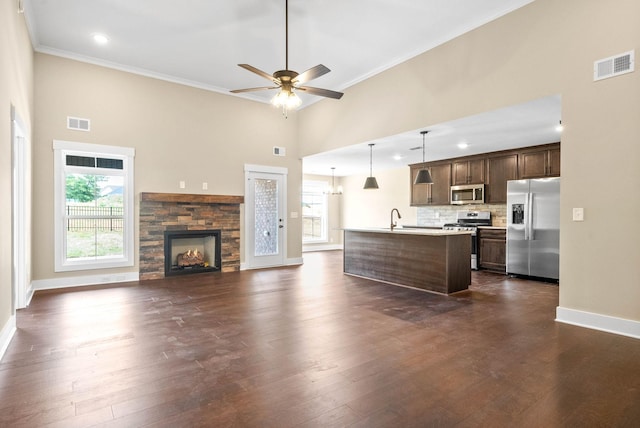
(194, 198)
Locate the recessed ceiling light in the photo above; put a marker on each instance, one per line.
(462, 145)
(397, 157)
(100, 39)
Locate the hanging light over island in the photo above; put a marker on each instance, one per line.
(371, 182)
(423, 176)
(333, 190)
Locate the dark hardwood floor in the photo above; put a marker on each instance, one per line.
(308, 346)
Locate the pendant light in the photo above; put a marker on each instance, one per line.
(333, 190)
(371, 182)
(423, 176)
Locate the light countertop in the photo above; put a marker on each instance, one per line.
(401, 231)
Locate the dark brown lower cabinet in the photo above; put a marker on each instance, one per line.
(492, 251)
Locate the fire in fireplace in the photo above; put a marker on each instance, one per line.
(191, 251)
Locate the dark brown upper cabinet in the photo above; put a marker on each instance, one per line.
(431, 194)
(539, 162)
(500, 169)
(468, 171)
(492, 169)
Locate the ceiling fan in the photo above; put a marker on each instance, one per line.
(289, 81)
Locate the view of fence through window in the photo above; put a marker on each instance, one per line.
(314, 211)
(94, 216)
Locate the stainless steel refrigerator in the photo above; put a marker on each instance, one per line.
(533, 227)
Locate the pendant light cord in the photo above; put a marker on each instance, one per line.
(424, 135)
(370, 160)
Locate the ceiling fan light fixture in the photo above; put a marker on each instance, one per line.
(287, 80)
(287, 99)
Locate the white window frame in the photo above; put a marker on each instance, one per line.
(322, 187)
(61, 150)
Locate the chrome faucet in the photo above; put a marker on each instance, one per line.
(393, 224)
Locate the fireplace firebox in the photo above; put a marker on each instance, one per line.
(191, 251)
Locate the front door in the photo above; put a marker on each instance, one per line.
(265, 216)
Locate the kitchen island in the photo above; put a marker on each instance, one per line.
(432, 260)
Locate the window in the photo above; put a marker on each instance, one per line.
(314, 212)
(93, 206)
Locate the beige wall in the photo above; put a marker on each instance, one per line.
(178, 132)
(547, 47)
(16, 89)
(372, 208)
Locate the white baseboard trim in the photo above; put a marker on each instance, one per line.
(6, 334)
(594, 321)
(80, 281)
(287, 262)
(30, 292)
(327, 247)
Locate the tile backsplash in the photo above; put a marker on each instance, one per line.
(438, 215)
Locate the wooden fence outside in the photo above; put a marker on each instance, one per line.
(83, 218)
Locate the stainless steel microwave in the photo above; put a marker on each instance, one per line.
(467, 194)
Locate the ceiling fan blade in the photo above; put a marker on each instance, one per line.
(321, 92)
(258, 72)
(263, 88)
(312, 73)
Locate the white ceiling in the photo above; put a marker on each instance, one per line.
(200, 43)
(527, 124)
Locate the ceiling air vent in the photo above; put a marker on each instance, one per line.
(78, 124)
(613, 66)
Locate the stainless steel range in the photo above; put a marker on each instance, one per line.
(469, 221)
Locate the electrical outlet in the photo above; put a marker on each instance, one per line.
(205, 185)
(578, 214)
(182, 184)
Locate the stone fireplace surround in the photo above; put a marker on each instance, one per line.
(177, 211)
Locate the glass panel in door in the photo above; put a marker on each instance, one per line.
(266, 217)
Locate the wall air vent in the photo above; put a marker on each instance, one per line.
(279, 151)
(613, 66)
(78, 124)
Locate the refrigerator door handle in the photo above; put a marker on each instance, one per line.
(527, 217)
(530, 218)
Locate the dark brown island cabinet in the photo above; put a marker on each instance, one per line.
(431, 260)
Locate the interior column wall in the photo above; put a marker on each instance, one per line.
(547, 47)
(16, 89)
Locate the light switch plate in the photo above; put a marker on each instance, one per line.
(578, 214)
(294, 214)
